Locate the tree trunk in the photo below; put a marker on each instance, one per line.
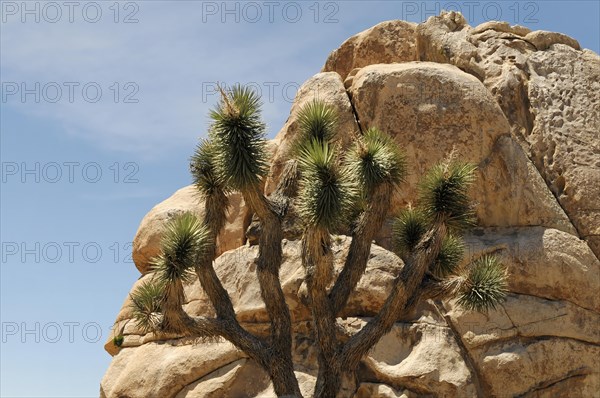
(268, 262)
(369, 224)
(325, 310)
(317, 259)
(282, 375)
(274, 356)
(405, 288)
(329, 379)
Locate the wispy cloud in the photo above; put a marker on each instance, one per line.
(155, 76)
(168, 60)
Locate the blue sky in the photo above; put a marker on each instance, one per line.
(119, 109)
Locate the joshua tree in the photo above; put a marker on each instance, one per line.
(330, 192)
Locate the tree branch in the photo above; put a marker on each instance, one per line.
(204, 327)
(402, 297)
(369, 224)
(230, 328)
(268, 263)
(317, 259)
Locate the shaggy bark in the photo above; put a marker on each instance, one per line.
(318, 262)
(405, 289)
(173, 318)
(230, 328)
(319, 268)
(360, 248)
(274, 356)
(237, 135)
(405, 294)
(267, 269)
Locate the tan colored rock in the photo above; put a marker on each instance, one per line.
(511, 191)
(492, 53)
(526, 369)
(146, 243)
(593, 242)
(543, 262)
(525, 316)
(375, 390)
(444, 39)
(502, 56)
(240, 378)
(546, 339)
(306, 383)
(423, 357)
(123, 323)
(328, 87)
(564, 142)
(542, 40)
(575, 385)
(163, 369)
(194, 362)
(500, 26)
(237, 272)
(548, 90)
(384, 43)
(430, 109)
(427, 101)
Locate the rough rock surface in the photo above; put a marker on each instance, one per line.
(430, 109)
(522, 105)
(387, 42)
(564, 143)
(543, 262)
(549, 91)
(423, 357)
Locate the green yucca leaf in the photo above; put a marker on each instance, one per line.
(450, 255)
(316, 156)
(203, 166)
(118, 340)
(408, 229)
(146, 304)
(444, 194)
(327, 194)
(484, 284)
(184, 239)
(376, 159)
(238, 134)
(316, 121)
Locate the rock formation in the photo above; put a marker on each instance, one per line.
(525, 107)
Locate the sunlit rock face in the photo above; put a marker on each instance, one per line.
(523, 106)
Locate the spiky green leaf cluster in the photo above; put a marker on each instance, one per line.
(450, 255)
(317, 120)
(444, 194)
(238, 134)
(203, 166)
(376, 159)
(484, 284)
(146, 304)
(408, 229)
(118, 340)
(184, 239)
(327, 193)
